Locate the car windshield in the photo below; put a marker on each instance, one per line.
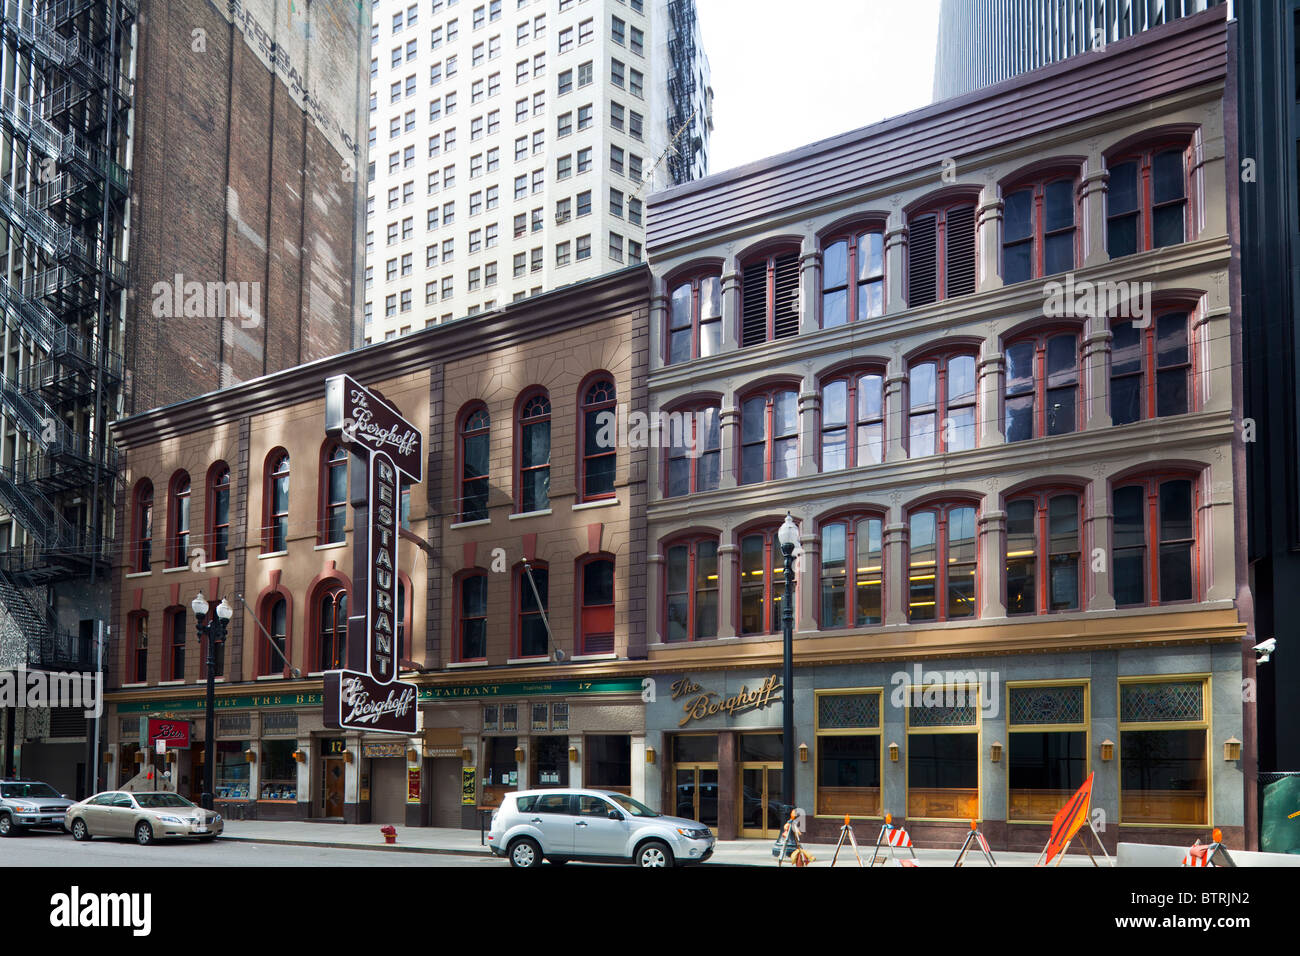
(155, 801)
(28, 790)
(634, 807)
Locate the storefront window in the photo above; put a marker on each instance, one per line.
(550, 761)
(943, 755)
(129, 768)
(279, 770)
(609, 762)
(501, 770)
(1047, 758)
(232, 770)
(509, 716)
(560, 716)
(692, 748)
(491, 716)
(1164, 764)
(848, 754)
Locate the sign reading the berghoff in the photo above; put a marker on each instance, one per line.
(700, 703)
(385, 448)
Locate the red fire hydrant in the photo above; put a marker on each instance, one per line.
(390, 834)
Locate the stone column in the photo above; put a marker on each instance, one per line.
(639, 788)
(810, 406)
(728, 575)
(894, 543)
(575, 766)
(729, 440)
(992, 376)
(730, 306)
(1096, 376)
(806, 585)
(810, 286)
(654, 596)
(895, 411)
(658, 323)
(1092, 191)
(988, 229)
(728, 781)
(992, 546)
(1097, 557)
(895, 264)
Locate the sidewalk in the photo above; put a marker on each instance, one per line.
(466, 843)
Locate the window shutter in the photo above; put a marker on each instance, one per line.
(959, 252)
(922, 261)
(785, 322)
(753, 314)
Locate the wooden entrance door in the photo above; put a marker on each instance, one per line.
(332, 788)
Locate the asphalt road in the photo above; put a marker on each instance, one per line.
(50, 849)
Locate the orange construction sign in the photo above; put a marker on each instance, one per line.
(1068, 821)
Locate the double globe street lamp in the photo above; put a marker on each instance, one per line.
(215, 629)
(788, 537)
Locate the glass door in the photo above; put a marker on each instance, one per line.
(696, 793)
(761, 812)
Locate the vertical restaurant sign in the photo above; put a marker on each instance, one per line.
(366, 695)
(412, 784)
(467, 786)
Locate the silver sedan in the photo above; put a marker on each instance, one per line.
(144, 816)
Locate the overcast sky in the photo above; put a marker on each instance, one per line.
(786, 74)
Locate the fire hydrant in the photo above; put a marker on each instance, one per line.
(390, 834)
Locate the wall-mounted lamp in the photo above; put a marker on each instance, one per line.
(803, 753)
(108, 756)
(1108, 749)
(250, 756)
(171, 756)
(573, 755)
(893, 752)
(139, 757)
(299, 756)
(995, 752)
(466, 754)
(1232, 749)
(649, 755)
(347, 756)
(412, 755)
(519, 755)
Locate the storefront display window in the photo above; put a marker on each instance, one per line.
(1164, 764)
(1047, 753)
(491, 716)
(502, 770)
(279, 771)
(129, 768)
(550, 761)
(848, 753)
(609, 762)
(232, 770)
(943, 755)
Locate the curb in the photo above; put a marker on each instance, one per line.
(386, 847)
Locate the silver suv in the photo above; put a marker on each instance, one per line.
(30, 804)
(598, 825)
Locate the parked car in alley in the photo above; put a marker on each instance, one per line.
(593, 825)
(30, 804)
(145, 816)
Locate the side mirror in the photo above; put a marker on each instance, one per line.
(615, 815)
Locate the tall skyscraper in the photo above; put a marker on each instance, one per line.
(982, 42)
(513, 143)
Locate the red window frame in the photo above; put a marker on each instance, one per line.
(850, 283)
(1148, 382)
(853, 385)
(175, 620)
(475, 421)
(142, 526)
(769, 440)
(1038, 233)
(1041, 499)
(853, 574)
(517, 612)
(459, 616)
(692, 545)
(278, 465)
(599, 395)
(1144, 156)
(218, 532)
(768, 261)
(672, 453)
(333, 457)
(137, 647)
(772, 573)
(534, 408)
(180, 498)
(595, 620)
(941, 406)
(696, 323)
(943, 513)
(332, 639)
(941, 211)
(1151, 484)
(1039, 340)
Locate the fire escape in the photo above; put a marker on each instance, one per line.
(682, 119)
(62, 206)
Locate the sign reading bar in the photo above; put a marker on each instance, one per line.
(174, 734)
(386, 448)
(701, 703)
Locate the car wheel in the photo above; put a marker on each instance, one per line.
(80, 832)
(7, 828)
(525, 853)
(143, 834)
(654, 853)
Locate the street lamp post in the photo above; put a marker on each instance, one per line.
(788, 536)
(215, 629)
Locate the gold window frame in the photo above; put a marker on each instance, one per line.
(878, 732)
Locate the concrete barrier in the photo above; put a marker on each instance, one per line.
(1150, 854)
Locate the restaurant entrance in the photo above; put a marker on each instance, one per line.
(762, 812)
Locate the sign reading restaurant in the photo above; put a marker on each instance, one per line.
(366, 694)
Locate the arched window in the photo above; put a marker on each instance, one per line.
(599, 441)
(332, 639)
(471, 616)
(941, 252)
(218, 511)
(532, 604)
(853, 421)
(143, 529)
(941, 404)
(1038, 228)
(334, 492)
(692, 590)
(276, 498)
(534, 478)
(174, 643)
(1042, 385)
(179, 550)
(1155, 544)
(694, 319)
(1043, 549)
(769, 435)
(942, 563)
(596, 605)
(1163, 345)
(694, 455)
(137, 648)
(769, 298)
(852, 571)
(853, 277)
(475, 447)
(1146, 199)
(276, 622)
(762, 582)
